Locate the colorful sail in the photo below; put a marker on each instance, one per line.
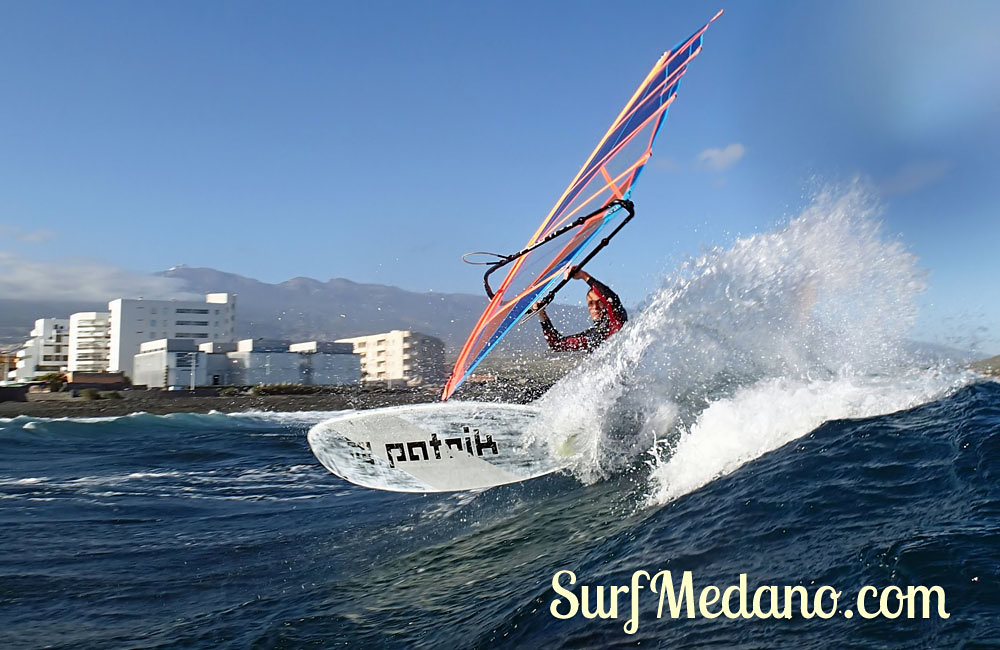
(596, 198)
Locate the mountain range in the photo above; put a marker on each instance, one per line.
(305, 309)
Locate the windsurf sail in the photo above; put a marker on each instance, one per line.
(597, 198)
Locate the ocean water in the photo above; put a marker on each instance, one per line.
(761, 415)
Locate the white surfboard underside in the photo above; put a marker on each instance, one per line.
(434, 447)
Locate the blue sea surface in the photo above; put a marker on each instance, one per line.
(224, 531)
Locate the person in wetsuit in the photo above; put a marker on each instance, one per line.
(606, 310)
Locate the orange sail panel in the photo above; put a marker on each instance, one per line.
(609, 173)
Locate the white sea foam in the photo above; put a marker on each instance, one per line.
(281, 418)
(275, 484)
(768, 415)
(294, 418)
(747, 348)
(23, 481)
(118, 479)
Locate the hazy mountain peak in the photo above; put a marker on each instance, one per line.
(304, 309)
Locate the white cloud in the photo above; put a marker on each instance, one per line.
(721, 159)
(31, 237)
(82, 280)
(915, 175)
(37, 236)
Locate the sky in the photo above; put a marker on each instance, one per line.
(379, 141)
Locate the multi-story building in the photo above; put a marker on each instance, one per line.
(136, 321)
(89, 339)
(263, 361)
(179, 363)
(400, 355)
(170, 363)
(8, 362)
(46, 351)
(325, 364)
(260, 361)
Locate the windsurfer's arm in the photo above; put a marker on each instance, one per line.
(557, 341)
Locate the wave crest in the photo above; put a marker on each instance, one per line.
(776, 334)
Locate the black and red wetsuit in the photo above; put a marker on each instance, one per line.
(613, 319)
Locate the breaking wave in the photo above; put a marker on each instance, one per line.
(747, 348)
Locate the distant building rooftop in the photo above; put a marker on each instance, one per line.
(325, 347)
(262, 345)
(169, 345)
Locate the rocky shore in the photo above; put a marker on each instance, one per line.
(520, 390)
(57, 405)
(989, 366)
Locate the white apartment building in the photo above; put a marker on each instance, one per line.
(175, 363)
(89, 340)
(314, 363)
(400, 355)
(170, 363)
(327, 364)
(46, 351)
(263, 361)
(136, 321)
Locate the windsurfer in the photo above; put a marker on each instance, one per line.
(606, 310)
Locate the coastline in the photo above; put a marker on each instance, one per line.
(345, 398)
(80, 408)
(990, 366)
(503, 389)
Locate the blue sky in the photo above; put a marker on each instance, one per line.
(268, 139)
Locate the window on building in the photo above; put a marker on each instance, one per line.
(152, 322)
(196, 323)
(191, 311)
